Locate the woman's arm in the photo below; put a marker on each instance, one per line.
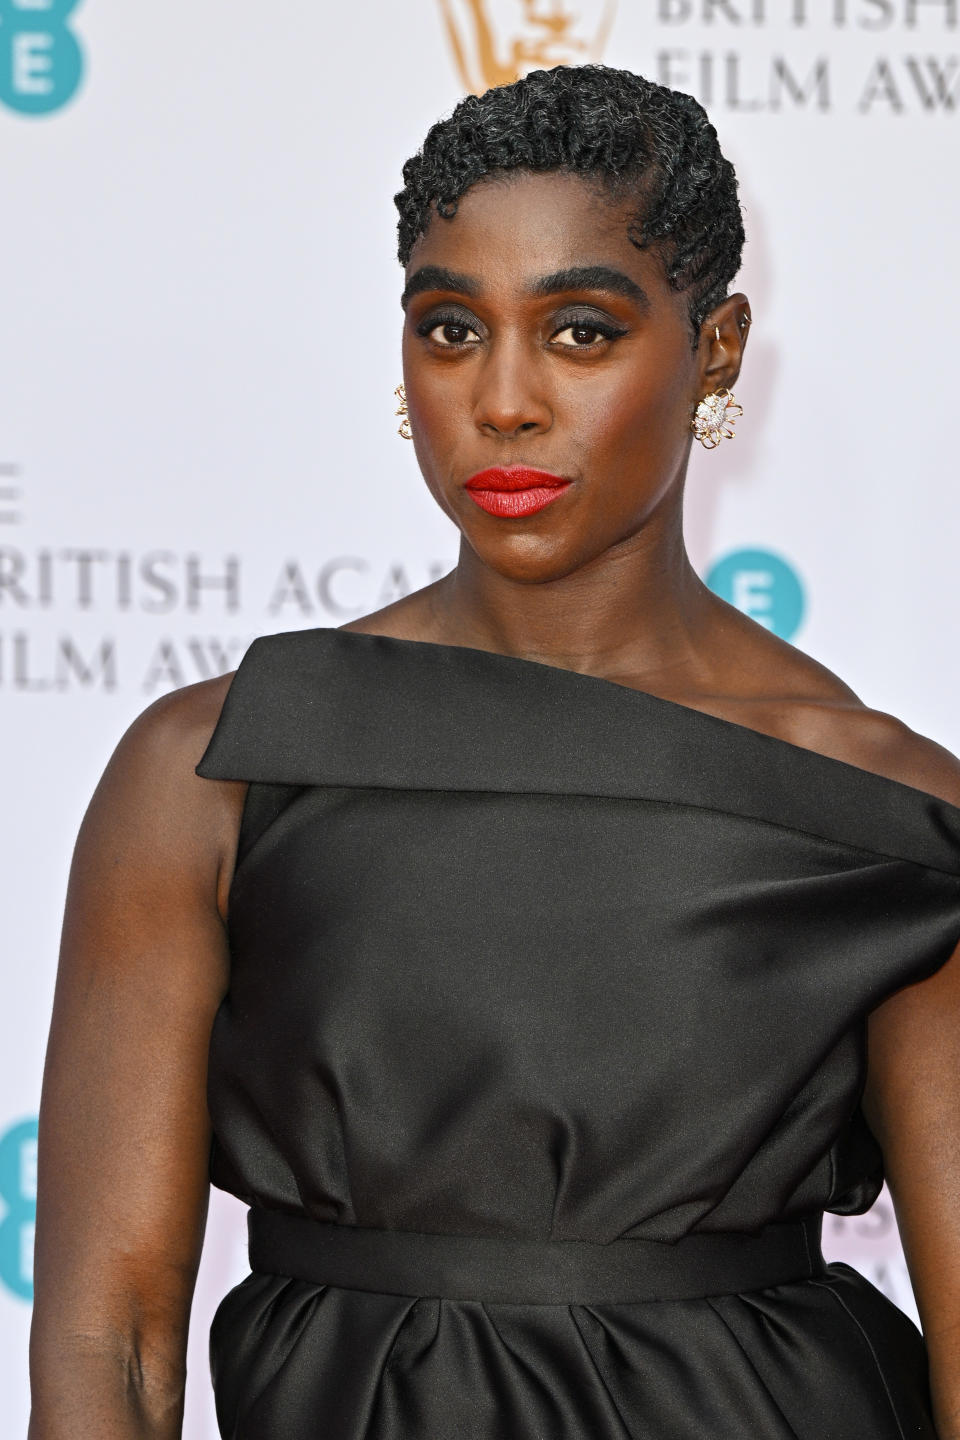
(124, 1131)
(912, 1103)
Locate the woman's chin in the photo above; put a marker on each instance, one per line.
(525, 559)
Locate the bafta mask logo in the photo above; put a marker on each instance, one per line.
(495, 42)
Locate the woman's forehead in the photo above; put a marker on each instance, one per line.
(533, 225)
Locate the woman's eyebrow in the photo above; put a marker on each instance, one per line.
(592, 277)
(436, 277)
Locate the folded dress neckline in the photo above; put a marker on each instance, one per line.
(341, 707)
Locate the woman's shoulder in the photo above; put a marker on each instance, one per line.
(177, 727)
(151, 816)
(152, 771)
(811, 707)
(876, 741)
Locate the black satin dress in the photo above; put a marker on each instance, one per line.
(527, 956)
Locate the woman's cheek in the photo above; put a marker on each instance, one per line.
(437, 418)
(622, 419)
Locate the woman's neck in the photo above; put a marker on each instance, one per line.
(640, 610)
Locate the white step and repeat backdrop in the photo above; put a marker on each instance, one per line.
(200, 341)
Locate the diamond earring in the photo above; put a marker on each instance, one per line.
(404, 427)
(714, 417)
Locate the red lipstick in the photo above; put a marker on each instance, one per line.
(515, 490)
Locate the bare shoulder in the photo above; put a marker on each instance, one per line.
(176, 729)
(811, 707)
(150, 803)
(874, 740)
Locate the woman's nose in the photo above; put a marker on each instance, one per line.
(510, 399)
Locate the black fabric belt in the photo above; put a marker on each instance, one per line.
(531, 1272)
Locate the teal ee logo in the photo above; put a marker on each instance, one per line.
(18, 1207)
(763, 586)
(41, 63)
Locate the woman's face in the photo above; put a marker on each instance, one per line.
(538, 336)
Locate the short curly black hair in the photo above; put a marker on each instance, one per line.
(639, 139)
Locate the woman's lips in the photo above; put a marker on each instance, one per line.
(515, 490)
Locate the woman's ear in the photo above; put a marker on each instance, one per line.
(723, 338)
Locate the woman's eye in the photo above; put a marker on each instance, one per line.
(581, 336)
(451, 332)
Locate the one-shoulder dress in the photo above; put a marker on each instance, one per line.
(542, 1057)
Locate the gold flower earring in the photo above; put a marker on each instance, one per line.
(714, 417)
(404, 427)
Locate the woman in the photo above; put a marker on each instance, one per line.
(585, 940)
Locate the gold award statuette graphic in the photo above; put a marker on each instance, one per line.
(495, 42)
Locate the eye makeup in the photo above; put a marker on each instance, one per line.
(585, 320)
